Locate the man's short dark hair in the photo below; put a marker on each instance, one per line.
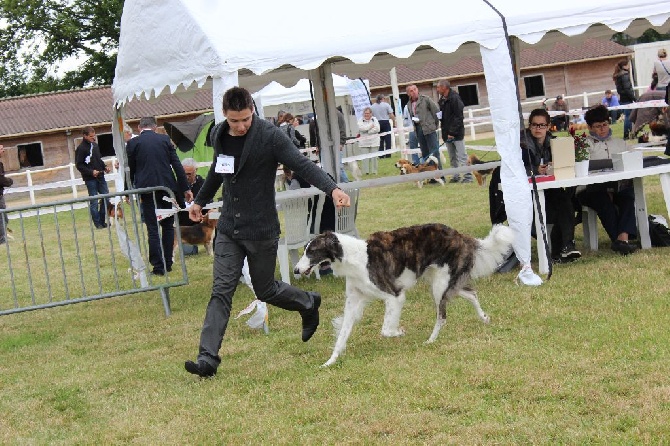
(87, 130)
(147, 122)
(539, 112)
(237, 99)
(599, 113)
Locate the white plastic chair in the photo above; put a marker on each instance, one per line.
(590, 228)
(297, 221)
(345, 218)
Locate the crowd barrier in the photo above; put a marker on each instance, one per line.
(54, 255)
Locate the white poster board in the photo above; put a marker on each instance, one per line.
(360, 97)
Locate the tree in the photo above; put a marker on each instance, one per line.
(650, 35)
(38, 37)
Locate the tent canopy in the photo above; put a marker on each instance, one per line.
(184, 134)
(251, 52)
(276, 94)
(201, 47)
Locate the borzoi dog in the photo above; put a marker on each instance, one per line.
(389, 263)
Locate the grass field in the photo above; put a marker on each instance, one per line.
(583, 359)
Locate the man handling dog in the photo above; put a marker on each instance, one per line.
(247, 150)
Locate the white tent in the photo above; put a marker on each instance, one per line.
(166, 44)
(276, 94)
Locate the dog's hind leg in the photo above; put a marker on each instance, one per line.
(442, 295)
(390, 327)
(470, 295)
(353, 311)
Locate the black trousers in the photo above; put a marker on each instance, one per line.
(229, 257)
(160, 244)
(385, 141)
(561, 213)
(616, 210)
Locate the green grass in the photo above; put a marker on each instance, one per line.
(583, 359)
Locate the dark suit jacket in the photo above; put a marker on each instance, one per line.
(152, 159)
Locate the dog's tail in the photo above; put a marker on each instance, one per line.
(492, 251)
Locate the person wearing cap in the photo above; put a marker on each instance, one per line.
(561, 121)
(384, 113)
(661, 70)
(610, 100)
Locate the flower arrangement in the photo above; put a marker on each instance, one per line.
(581, 146)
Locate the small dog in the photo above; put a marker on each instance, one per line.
(389, 263)
(114, 212)
(199, 234)
(479, 174)
(430, 164)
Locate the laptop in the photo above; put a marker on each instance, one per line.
(600, 164)
(651, 161)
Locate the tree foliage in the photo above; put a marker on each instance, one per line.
(650, 35)
(39, 37)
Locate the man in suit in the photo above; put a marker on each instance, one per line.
(153, 161)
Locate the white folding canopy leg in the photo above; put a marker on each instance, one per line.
(126, 244)
(506, 126)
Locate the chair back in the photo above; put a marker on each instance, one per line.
(297, 219)
(345, 218)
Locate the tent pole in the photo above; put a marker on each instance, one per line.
(399, 124)
(329, 133)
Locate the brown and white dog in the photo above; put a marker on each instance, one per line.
(199, 234)
(479, 174)
(114, 212)
(387, 264)
(429, 165)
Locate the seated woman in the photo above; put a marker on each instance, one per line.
(536, 154)
(614, 202)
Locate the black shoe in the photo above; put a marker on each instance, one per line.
(101, 226)
(623, 247)
(569, 253)
(310, 318)
(202, 369)
(158, 272)
(455, 180)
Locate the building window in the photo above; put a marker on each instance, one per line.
(30, 155)
(468, 94)
(534, 86)
(106, 144)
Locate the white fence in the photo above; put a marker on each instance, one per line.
(478, 118)
(72, 183)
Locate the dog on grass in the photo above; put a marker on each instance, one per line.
(429, 165)
(479, 174)
(387, 264)
(199, 234)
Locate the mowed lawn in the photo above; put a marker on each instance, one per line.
(583, 359)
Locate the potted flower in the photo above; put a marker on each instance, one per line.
(581, 154)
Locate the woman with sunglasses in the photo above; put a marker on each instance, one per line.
(536, 154)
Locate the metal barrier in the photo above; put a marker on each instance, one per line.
(54, 255)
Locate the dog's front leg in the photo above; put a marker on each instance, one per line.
(353, 310)
(391, 326)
